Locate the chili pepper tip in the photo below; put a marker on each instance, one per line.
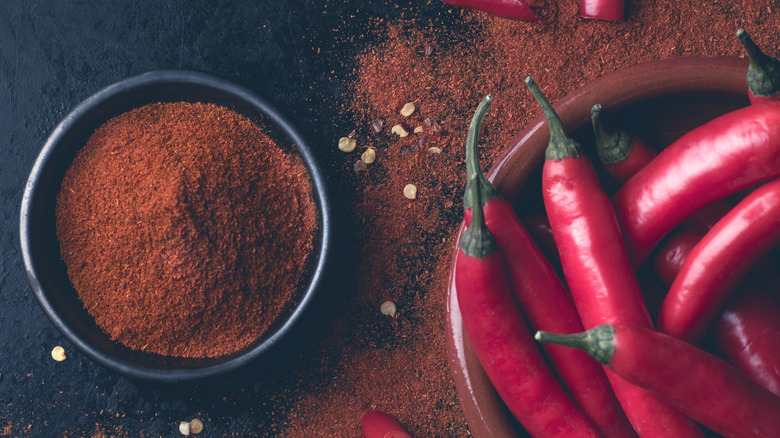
(763, 75)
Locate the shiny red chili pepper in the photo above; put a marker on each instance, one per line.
(719, 262)
(514, 9)
(612, 10)
(596, 266)
(697, 383)
(763, 76)
(502, 340)
(623, 154)
(542, 297)
(747, 332)
(377, 424)
(539, 228)
(729, 153)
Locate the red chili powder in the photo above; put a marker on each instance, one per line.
(172, 222)
(399, 365)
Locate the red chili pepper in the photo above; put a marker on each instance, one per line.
(697, 383)
(622, 152)
(542, 297)
(502, 340)
(763, 76)
(596, 266)
(539, 228)
(719, 262)
(612, 10)
(377, 424)
(729, 153)
(514, 9)
(747, 332)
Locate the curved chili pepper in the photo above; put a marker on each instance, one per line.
(596, 265)
(719, 262)
(623, 154)
(727, 154)
(514, 9)
(763, 76)
(502, 340)
(377, 424)
(747, 332)
(611, 10)
(542, 297)
(697, 383)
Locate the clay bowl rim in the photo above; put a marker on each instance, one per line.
(36, 214)
(522, 156)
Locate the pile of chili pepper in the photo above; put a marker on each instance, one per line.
(670, 287)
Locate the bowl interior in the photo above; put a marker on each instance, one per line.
(47, 272)
(660, 101)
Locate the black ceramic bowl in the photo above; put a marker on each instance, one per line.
(41, 252)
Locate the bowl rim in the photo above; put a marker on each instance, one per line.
(484, 411)
(275, 118)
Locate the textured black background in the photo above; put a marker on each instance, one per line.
(298, 54)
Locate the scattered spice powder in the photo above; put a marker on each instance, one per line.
(169, 221)
(399, 365)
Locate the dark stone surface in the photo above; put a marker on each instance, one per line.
(296, 53)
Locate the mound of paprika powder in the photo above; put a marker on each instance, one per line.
(185, 228)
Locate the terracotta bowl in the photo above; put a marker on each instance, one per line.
(660, 101)
(41, 252)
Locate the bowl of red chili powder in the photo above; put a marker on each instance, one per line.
(659, 101)
(175, 226)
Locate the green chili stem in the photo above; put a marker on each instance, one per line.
(561, 145)
(597, 342)
(477, 240)
(473, 169)
(612, 145)
(755, 54)
(763, 76)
